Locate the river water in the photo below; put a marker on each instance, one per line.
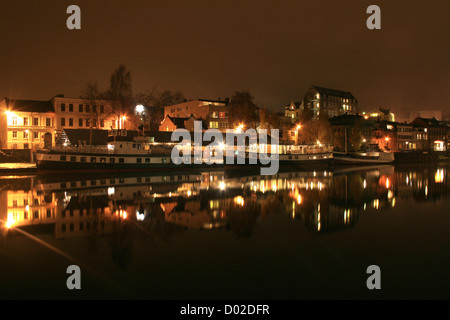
(228, 234)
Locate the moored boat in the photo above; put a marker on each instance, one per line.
(377, 157)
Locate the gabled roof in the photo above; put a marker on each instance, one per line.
(29, 105)
(430, 122)
(180, 123)
(333, 92)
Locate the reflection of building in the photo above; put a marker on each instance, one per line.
(26, 124)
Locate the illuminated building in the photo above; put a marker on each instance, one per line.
(329, 101)
(26, 124)
(215, 112)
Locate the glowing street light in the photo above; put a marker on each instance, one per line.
(299, 126)
(139, 108)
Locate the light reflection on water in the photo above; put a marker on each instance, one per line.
(131, 208)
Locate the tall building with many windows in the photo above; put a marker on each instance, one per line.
(318, 100)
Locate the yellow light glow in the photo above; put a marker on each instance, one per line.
(439, 176)
(387, 183)
(10, 221)
(239, 200)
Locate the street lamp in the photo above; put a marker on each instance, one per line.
(139, 108)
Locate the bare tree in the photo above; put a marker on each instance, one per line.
(154, 102)
(243, 110)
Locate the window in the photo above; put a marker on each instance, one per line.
(82, 159)
(93, 159)
(36, 121)
(73, 158)
(223, 115)
(26, 146)
(36, 135)
(25, 134)
(88, 123)
(63, 107)
(70, 107)
(80, 108)
(121, 160)
(63, 122)
(102, 109)
(14, 121)
(25, 121)
(70, 122)
(138, 160)
(47, 122)
(88, 108)
(14, 134)
(112, 160)
(62, 158)
(113, 123)
(80, 122)
(94, 109)
(147, 160)
(214, 124)
(102, 160)
(102, 123)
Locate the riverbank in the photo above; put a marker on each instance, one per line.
(18, 167)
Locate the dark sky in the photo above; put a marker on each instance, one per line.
(209, 49)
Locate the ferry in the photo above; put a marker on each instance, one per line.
(125, 152)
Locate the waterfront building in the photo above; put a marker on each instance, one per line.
(293, 111)
(332, 102)
(26, 124)
(216, 113)
(172, 123)
(437, 132)
(76, 113)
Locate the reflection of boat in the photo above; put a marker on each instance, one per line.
(363, 157)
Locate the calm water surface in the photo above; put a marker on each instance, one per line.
(228, 234)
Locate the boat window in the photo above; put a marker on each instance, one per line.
(93, 159)
(112, 160)
(62, 158)
(163, 160)
(138, 160)
(121, 160)
(147, 160)
(103, 160)
(83, 159)
(290, 157)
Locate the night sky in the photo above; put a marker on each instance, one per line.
(209, 49)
